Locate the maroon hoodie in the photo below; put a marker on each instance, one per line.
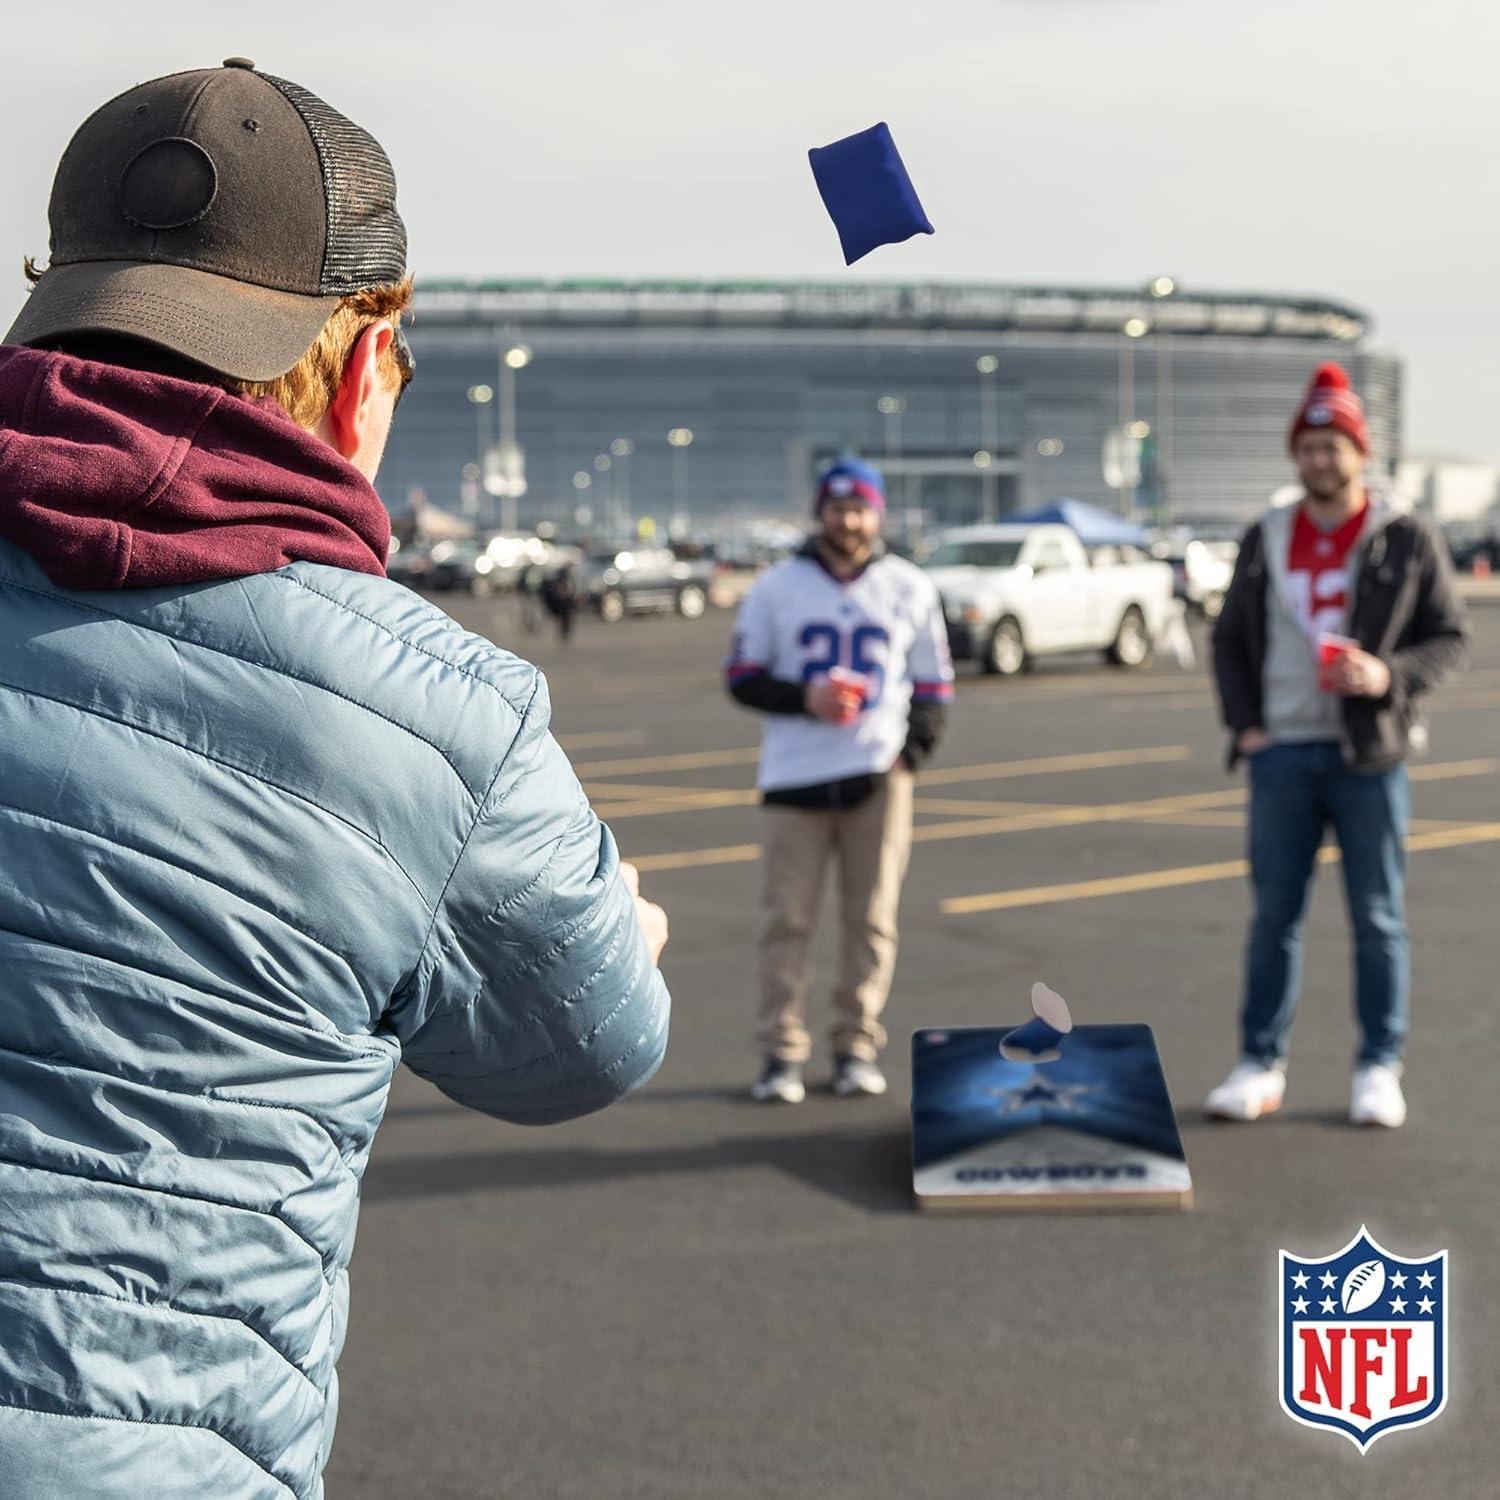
(113, 478)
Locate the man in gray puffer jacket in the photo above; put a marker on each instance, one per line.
(269, 823)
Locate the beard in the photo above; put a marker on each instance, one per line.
(1325, 488)
(843, 543)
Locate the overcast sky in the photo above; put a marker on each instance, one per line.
(1336, 147)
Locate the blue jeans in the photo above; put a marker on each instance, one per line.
(1296, 791)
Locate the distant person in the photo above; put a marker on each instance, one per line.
(530, 586)
(1340, 617)
(562, 600)
(844, 649)
(270, 824)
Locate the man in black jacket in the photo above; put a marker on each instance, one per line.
(843, 648)
(1341, 614)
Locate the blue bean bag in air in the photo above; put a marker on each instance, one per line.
(868, 195)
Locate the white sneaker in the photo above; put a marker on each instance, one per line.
(857, 1075)
(780, 1082)
(1377, 1098)
(1250, 1091)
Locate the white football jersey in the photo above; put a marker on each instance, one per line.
(799, 621)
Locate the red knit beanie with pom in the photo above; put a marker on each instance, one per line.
(1330, 402)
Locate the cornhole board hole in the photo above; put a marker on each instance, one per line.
(1092, 1130)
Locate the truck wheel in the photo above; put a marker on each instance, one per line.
(1005, 655)
(612, 606)
(691, 602)
(1132, 645)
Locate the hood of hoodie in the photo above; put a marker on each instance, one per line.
(117, 478)
(1386, 504)
(1275, 531)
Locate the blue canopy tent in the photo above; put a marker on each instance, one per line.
(1095, 527)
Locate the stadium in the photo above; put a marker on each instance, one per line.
(605, 402)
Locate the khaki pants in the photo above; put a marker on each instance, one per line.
(871, 844)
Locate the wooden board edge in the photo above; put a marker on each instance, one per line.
(1025, 1202)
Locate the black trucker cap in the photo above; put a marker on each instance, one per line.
(221, 214)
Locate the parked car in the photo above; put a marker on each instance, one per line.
(645, 580)
(409, 563)
(1475, 552)
(511, 555)
(1012, 594)
(463, 565)
(1201, 572)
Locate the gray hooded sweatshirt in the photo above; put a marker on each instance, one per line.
(1297, 710)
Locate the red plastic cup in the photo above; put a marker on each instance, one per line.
(855, 686)
(1332, 648)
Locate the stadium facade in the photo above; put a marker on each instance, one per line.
(712, 400)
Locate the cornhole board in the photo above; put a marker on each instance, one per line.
(1094, 1129)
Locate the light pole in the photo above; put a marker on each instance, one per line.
(681, 439)
(620, 450)
(989, 424)
(468, 490)
(583, 515)
(1161, 288)
(514, 357)
(1135, 328)
(480, 397)
(607, 503)
(891, 408)
(984, 462)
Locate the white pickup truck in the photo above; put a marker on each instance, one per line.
(1015, 593)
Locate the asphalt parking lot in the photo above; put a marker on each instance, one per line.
(692, 1296)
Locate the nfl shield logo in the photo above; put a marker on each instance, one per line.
(1364, 1339)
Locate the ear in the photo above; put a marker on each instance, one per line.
(349, 415)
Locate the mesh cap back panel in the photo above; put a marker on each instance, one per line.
(366, 238)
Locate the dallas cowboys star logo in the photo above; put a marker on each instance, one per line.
(1062, 1097)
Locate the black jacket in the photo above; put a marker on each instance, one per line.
(1406, 612)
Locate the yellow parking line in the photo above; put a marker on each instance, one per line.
(1195, 819)
(1031, 817)
(654, 807)
(967, 827)
(732, 854)
(603, 740)
(1453, 838)
(980, 807)
(621, 799)
(1076, 815)
(644, 791)
(1449, 770)
(1053, 765)
(692, 761)
(1157, 880)
(1237, 820)
(1084, 890)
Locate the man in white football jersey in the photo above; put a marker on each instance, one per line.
(843, 648)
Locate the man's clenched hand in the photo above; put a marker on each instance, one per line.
(653, 919)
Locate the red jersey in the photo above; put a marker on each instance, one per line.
(1320, 571)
